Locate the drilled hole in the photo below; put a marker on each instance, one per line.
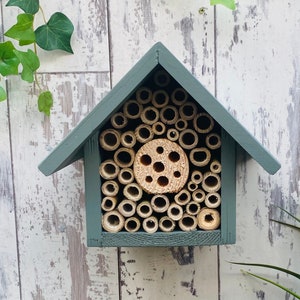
(177, 174)
(158, 167)
(149, 179)
(174, 156)
(146, 160)
(160, 150)
(163, 181)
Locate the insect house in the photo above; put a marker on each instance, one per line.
(159, 157)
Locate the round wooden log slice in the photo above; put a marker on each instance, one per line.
(161, 166)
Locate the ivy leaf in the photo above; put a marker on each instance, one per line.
(9, 62)
(2, 94)
(45, 102)
(228, 3)
(30, 63)
(23, 30)
(28, 6)
(56, 34)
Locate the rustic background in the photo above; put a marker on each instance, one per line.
(249, 58)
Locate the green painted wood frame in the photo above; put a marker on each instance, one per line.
(97, 238)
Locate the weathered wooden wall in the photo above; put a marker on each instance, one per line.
(249, 58)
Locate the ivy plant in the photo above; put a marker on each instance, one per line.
(54, 34)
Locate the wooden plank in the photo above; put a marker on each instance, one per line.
(135, 26)
(258, 81)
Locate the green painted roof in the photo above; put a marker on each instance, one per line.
(71, 148)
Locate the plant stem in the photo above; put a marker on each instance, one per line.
(43, 14)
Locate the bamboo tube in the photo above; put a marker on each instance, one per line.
(160, 203)
(203, 123)
(198, 196)
(200, 157)
(124, 157)
(211, 182)
(193, 208)
(213, 141)
(196, 176)
(166, 224)
(192, 186)
(187, 223)
(158, 128)
(108, 203)
(181, 124)
(126, 176)
(110, 188)
(132, 109)
(150, 224)
(132, 224)
(172, 134)
(215, 166)
(109, 139)
(162, 78)
(175, 211)
(143, 95)
(150, 115)
(169, 115)
(183, 197)
(109, 169)
(160, 99)
(144, 209)
(112, 221)
(208, 219)
(133, 191)
(188, 111)
(188, 139)
(213, 200)
(144, 133)
(118, 120)
(179, 96)
(128, 139)
(127, 208)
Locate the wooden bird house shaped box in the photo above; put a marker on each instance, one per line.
(159, 160)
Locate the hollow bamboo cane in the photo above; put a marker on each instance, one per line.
(162, 78)
(197, 176)
(144, 133)
(150, 224)
(124, 157)
(211, 182)
(203, 123)
(200, 157)
(181, 124)
(132, 109)
(118, 120)
(126, 176)
(160, 203)
(150, 115)
(208, 219)
(166, 224)
(213, 141)
(109, 139)
(159, 128)
(172, 134)
(109, 169)
(188, 111)
(144, 209)
(143, 95)
(179, 96)
(128, 139)
(127, 208)
(112, 221)
(132, 224)
(108, 203)
(110, 188)
(188, 139)
(198, 196)
(133, 191)
(215, 166)
(193, 208)
(187, 223)
(169, 114)
(192, 186)
(183, 197)
(213, 200)
(160, 99)
(175, 211)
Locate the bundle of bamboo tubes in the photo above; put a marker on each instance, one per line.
(161, 168)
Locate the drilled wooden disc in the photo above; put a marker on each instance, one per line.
(161, 166)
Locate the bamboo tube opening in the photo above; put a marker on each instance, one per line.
(132, 224)
(215, 166)
(110, 188)
(162, 78)
(200, 157)
(166, 224)
(203, 123)
(188, 139)
(127, 208)
(150, 115)
(172, 134)
(143, 95)
(192, 186)
(208, 219)
(187, 223)
(109, 169)
(175, 211)
(150, 224)
(133, 191)
(183, 197)
(160, 203)
(160, 98)
(197, 176)
(181, 124)
(109, 139)
(179, 96)
(144, 133)
(108, 203)
(132, 109)
(144, 209)
(193, 208)
(213, 141)
(198, 196)
(128, 139)
(188, 111)
(169, 114)
(112, 221)
(126, 176)
(211, 182)
(118, 120)
(124, 157)
(213, 200)
(158, 128)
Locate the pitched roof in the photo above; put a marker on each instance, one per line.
(71, 148)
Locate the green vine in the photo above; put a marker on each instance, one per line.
(228, 3)
(54, 34)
